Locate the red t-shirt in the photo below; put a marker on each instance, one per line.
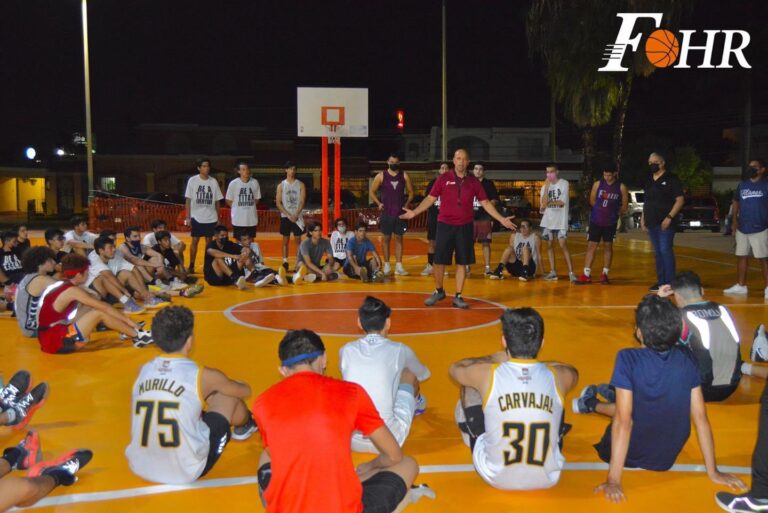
(307, 421)
(456, 197)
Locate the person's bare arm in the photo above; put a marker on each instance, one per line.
(566, 375)
(424, 205)
(389, 451)
(213, 380)
(311, 266)
(624, 199)
(279, 200)
(408, 188)
(475, 372)
(134, 259)
(80, 295)
(302, 199)
(621, 429)
(374, 189)
(505, 221)
(593, 194)
(735, 217)
(707, 443)
(188, 207)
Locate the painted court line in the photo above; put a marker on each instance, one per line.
(249, 480)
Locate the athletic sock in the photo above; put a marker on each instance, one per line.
(587, 271)
(458, 295)
(746, 368)
(605, 271)
(430, 258)
(406, 387)
(12, 415)
(60, 476)
(124, 299)
(12, 456)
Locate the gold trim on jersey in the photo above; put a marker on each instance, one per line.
(494, 366)
(560, 393)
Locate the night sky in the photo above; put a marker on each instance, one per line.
(237, 63)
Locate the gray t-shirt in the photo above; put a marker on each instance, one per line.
(316, 251)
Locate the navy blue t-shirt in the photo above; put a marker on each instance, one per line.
(752, 198)
(360, 249)
(661, 385)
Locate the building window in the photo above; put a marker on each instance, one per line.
(108, 183)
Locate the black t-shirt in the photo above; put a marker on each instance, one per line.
(170, 260)
(21, 247)
(10, 263)
(435, 208)
(490, 191)
(227, 247)
(59, 256)
(660, 197)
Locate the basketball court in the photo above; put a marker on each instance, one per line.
(238, 332)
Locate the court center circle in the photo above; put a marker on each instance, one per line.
(335, 313)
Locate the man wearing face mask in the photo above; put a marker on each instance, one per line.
(663, 202)
(750, 225)
(394, 183)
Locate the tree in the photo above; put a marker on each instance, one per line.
(686, 163)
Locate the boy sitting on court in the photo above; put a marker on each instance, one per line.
(225, 261)
(658, 395)
(150, 240)
(358, 265)
(339, 238)
(710, 333)
(174, 440)
(389, 371)
(172, 272)
(312, 250)
(516, 433)
(260, 275)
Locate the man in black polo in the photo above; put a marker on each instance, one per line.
(663, 202)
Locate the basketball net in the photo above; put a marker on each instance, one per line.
(333, 138)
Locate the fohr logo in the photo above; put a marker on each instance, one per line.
(662, 48)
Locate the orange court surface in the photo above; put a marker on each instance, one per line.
(238, 332)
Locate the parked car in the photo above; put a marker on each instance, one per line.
(635, 207)
(514, 203)
(700, 214)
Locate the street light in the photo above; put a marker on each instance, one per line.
(30, 153)
(86, 68)
(60, 152)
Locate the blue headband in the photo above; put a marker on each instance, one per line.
(302, 357)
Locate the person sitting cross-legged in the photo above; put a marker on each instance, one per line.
(516, 432)
(389, 371)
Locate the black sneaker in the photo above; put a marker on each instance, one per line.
(26, 454)
(17, 386)
(740, 503)
(64, 469)
(434, 298)
(245, 431)
(587, 400)
(285, 266)
(28, 405)
(459, 302)
(607, 392)
(498, 273)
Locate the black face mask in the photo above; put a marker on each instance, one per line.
(653, 167)
(394, 167)
(135, 243)
(752, 172)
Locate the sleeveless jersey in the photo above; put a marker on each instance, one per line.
(393, 193)
(520, 242)
(48, 316)
(712, 336)
(169, 441)
(137, 252)
(605, 211)
(523, 414)
(27, 307)
(291, 195)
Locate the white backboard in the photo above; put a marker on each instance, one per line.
(311, 100)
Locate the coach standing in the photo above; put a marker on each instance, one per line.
(663, 202)
(202, 203)
(455, 223)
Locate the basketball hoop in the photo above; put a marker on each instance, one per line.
(332, 117)
(333, 138)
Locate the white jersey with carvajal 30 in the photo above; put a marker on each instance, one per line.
(523, 412)
(169, 440)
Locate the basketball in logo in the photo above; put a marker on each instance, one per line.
(662, 48)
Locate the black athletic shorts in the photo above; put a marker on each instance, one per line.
(719, 393)
(452, 239)
(341, 261)
(203, 229)
(432, 224)
(287, 228)
(215, 280)
(218, 438)
(517, 268)
(392, 225)
(382, 492)
(238, 231)
(597, 233)
(350, 271)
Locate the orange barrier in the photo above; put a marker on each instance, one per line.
(119, 213)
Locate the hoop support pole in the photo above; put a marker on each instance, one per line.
(337, 178)
(324, 194)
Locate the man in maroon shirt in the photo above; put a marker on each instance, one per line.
(457, 190)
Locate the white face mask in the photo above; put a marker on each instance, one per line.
(342, 229)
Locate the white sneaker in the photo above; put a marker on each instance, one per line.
(428, 270)
(400, 270)
(310, 278)
(759, 351)
(241, 283)
(387, 269)
(736, 290)
(298, 276)
(766, 293)
(551, 276)
(177, 284)
(265, 280)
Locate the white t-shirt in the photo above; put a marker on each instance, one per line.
(204, 196)
(376, 363)
(244, 196)
(87, 238)
(339, 243)
(151, 240)
(555, 218)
